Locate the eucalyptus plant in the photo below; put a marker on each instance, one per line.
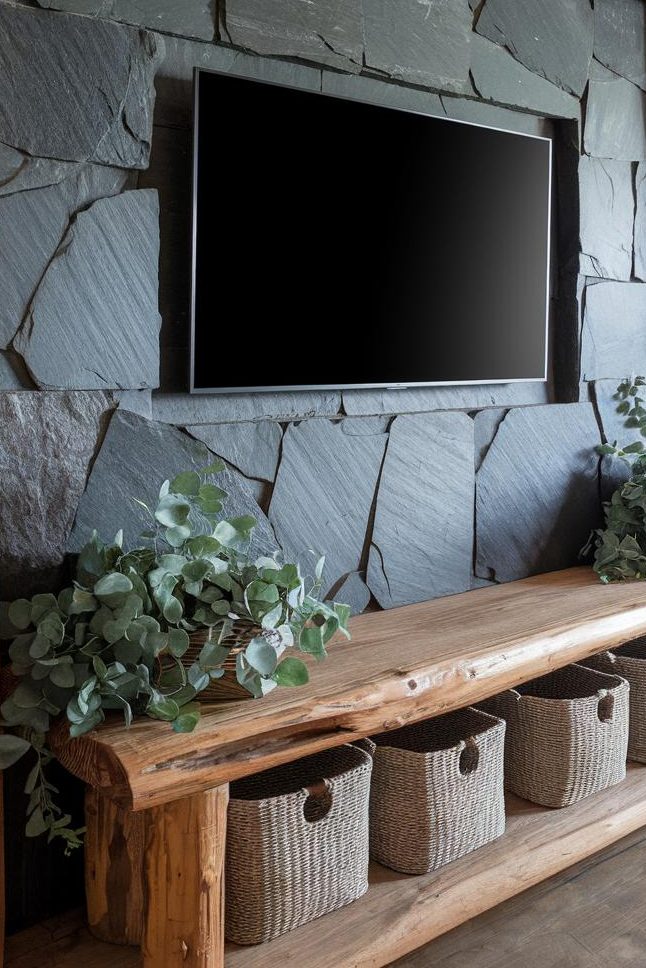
(115, 640)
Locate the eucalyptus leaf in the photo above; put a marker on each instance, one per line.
(12, 748)
(291, 672)
(261, 656)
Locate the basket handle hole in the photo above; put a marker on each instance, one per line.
(318, 803)
(469, 758)
(606, 708)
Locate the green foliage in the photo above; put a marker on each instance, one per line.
(115, 640)
(631, 405)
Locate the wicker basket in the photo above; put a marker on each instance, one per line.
(297, 843)
(227, 688)
(567, 735)
(437, 791)
(629, 662)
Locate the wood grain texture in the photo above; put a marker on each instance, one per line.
(184, 883)
(401, 666)
(401, 913)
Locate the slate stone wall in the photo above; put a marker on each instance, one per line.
(411, 494)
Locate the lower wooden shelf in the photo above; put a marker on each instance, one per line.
(401, 913)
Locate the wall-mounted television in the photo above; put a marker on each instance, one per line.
(338, 244)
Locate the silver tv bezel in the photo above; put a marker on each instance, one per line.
(352, 386)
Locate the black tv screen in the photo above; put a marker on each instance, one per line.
(340, 244)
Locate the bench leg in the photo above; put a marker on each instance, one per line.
(184, 882)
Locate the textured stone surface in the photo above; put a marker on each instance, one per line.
(613, 342)
(382, 92)
(251, 447)
(47, 441)
(32, 224)
(354, 592)
(477, 112)
(640, 222)
(136, 401)
(326, 33)
(620, 37)
(614, 470)
(419, 399)
(614, 121)
(188, 409)
(498, 77)
(537, 492)
(136, 456)
(324, 493)
(606, 212)
(422, 539)
(420, 41)
(76, 89)
(19, 172)
(93, 322)
(552, 38)
(485, 428)
(190, 18)
(12, 376)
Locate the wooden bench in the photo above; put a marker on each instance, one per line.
(157, 804)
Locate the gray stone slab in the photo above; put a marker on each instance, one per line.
(620, 37)
(615, 471)
(32, 225)
(354, 592)
(420, 399)
(93, 322)
(358, 426)
(606, 213)
(76, 89)
(613, 340)
(382, 92)
(135, 401)
(537, 491)
(614, 121)
(485, 428)
(422, 538)
(188, 409)
(136, 456)
(326, 33)
(253, 448)
(420, 41)
(174, 77)
(12, 376)
(477, 112)
(552, 38)
(190, 18)
(19, 171)
(47, 442)
(497, 76)
(324, 493)
(639, 238)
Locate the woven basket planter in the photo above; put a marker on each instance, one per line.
(297, 843)
(567, 735)
(437, 791)
(629, 662)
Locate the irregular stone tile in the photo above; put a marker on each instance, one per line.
(606, 214)
(420, 41)
(135, 401)
(477, 112)
(358, 426)
(382, 92)
(420, 399)
(323, 495)
(498, 77)
(76, 89)
(190, 18)
(614, 121)
(191, 409)
(11, 376)
(93, 322)
(613, 340)
(485, 428)
(32, 224)
(47, 442)
(174, 77)
(639, 240)
(354, 592)
(422, 539)
(326, 33)
(537, 493)
(135, 457)
(620, 38)
(19, 172)
(552, 38)
(251, 447)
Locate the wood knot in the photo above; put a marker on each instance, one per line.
(412, 684)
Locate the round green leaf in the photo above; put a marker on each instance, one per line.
(63, 675)
(178, 642)
(11, 749)
(186, 483)
(291, 672)
(172, 511)
(261, 656)
(112, 584)
(20, 613)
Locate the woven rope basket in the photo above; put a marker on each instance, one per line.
(297, 843)
(567, 735)
(629, 662)
(437, 791)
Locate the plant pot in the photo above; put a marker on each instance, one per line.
(227, 688)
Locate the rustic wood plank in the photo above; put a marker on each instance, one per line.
(402, 665)
(184, 883)
(400, 913)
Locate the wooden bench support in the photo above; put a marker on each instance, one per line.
(156, 878)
